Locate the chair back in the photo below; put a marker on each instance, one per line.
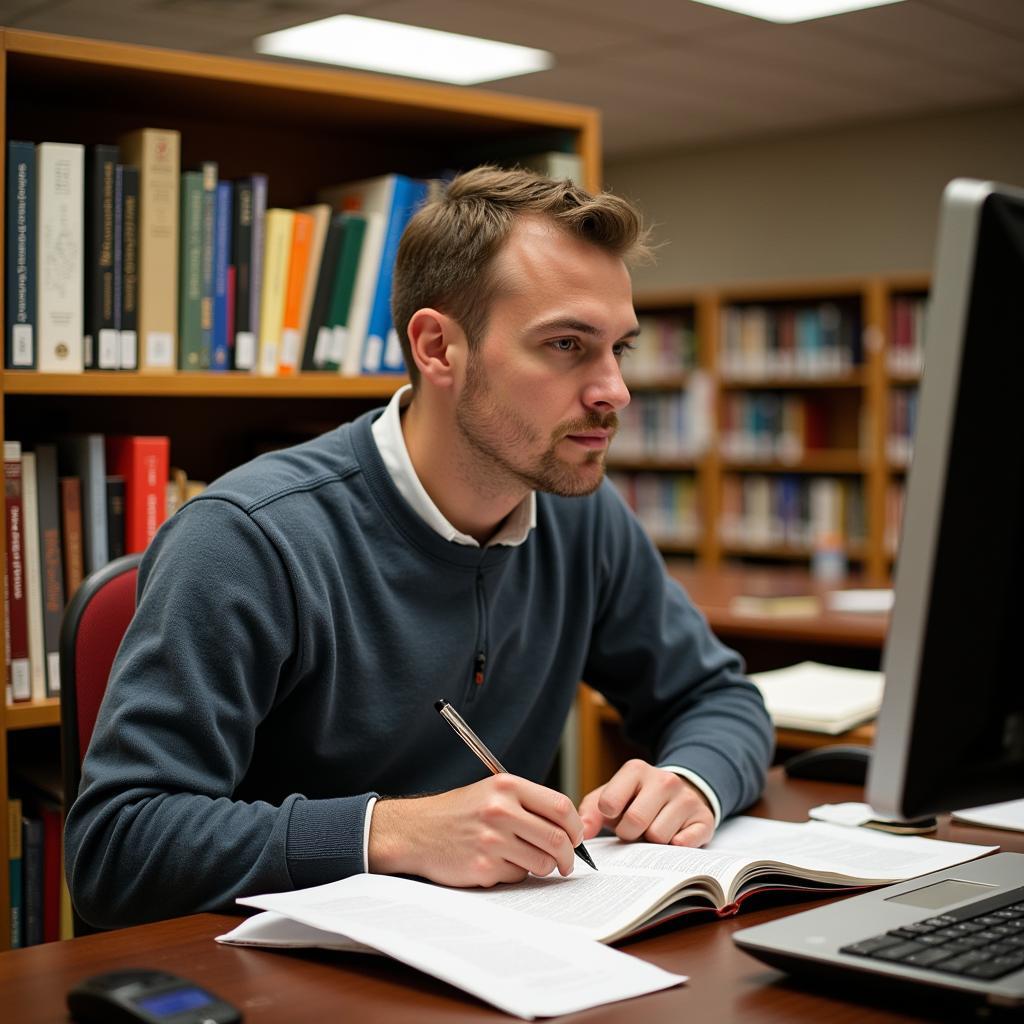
(94, 622)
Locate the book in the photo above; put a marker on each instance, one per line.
(314, 353)
(14, 872)
(321, 214)
(59, 252)
(638, 886)
(20, 301)
(32, 879)
(247, 333)
(71, 533)
(115, 516)
(290, 353)
(82, 456)
(19, 678)
(101, 344)
(782, 605)
(33, 577)
(241, 260)
(820, 698)
(343, 351)
(51, 561)
(221, 350)
(144, 463)
(208, 176)
(129, 275)
(276, 254)
(190, 276)
(156, 154)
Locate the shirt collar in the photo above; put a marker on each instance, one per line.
(390, 441)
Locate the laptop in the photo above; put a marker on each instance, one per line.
(960, 929)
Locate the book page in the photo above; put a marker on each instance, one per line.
(835, 853)
(501, 957)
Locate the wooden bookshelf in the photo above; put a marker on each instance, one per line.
(860, 395)
(307, 129)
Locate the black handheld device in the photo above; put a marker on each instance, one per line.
(147, 997)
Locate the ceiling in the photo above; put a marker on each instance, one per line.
(666, 74)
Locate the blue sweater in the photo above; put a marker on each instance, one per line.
(296, 623)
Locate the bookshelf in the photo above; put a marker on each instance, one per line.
(307, 129)
(779, 421)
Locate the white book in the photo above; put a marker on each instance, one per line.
(820, 698)
(60, 254)
(33, 575)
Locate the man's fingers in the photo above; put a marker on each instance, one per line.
(696, 833)
(619, 790)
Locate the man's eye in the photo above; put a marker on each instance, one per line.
(622, 347)
(564, 344)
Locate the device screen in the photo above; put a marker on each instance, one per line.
(166, 1003)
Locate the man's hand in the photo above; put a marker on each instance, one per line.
(641, 801)
(497, 830)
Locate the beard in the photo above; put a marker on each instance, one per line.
(502, 441)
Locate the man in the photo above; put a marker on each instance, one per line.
(270, 722)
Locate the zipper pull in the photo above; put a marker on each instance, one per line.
(481, 661)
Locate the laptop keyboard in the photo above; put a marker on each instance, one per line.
(982, 941)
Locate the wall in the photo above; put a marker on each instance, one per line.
(852, 201)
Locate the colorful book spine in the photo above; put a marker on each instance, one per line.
(220, 353)
(241, 259)
(129, 267)
(71, 533)
(314, 356)
(156, 153)
(247, 343)
(321, 214)
(82, 455)
(206, 263)
(15, 874)
(101, 345)
(19, 679)
(343, 350)
(277, 251)
(190, 297)
(33, 576)
(20, 347)
(298, 267)
(60, 178)
(144, 462)
(51, 561)
(115, 516)
(363, 287)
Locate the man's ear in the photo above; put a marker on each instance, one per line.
(437, 342)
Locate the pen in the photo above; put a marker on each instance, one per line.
(477, 745)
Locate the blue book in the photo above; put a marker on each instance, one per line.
(20, 344)
(220, 353)
(382, 352)
(209, 172)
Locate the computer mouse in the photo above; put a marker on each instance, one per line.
(836, 763)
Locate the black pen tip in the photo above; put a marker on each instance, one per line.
(439, 704)
(585, 856)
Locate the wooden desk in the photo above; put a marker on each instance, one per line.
(766, 642)
(295, 988)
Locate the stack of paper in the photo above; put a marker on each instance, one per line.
(820, 698)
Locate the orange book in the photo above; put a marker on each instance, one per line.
(302, 243)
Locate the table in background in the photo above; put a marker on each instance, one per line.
(311, 987)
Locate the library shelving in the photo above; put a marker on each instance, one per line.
(807, 389)
(307, 129)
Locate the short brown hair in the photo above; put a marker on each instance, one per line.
(445, 259)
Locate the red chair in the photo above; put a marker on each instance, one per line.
(94, 622)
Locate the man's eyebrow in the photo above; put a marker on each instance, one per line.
(571, 324)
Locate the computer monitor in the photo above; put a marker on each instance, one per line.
(950, 733)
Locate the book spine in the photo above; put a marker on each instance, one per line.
(15, 872)
(246, 346)
(18, 671)
(82, 455)
(298, 266)
(20, 348)
(156, 153)
(129, 267)
(115, 490)
(363, 289)
(221, 260)
(71, 533)
(60, 172)
(382, 352)
(118, 256)
(51, 816)
(314, 353)
(51, 561)
(321, 214)
(206, 263)
(33, 576)
(190, 298)
(241, 247)
(32, 872)
(144, 463)
(100, 341)
(343, 351)
(277, 250)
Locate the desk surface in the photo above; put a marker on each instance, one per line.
(273, 988)
(712, 590)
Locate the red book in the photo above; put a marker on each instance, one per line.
(52, 829)
(18, 675)
(144, 462)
